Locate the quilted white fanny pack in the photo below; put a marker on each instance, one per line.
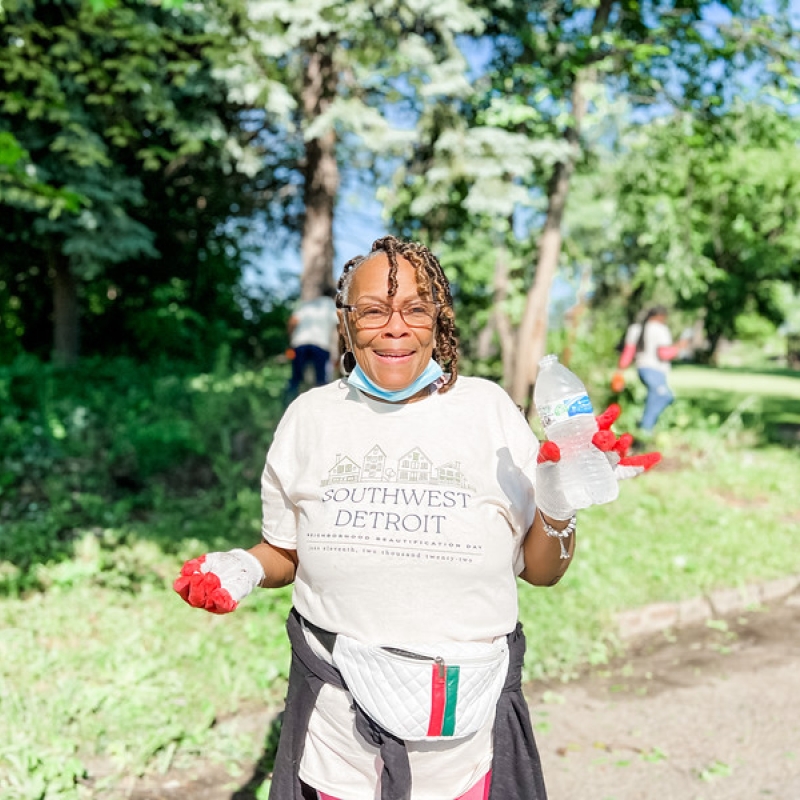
(425, 692)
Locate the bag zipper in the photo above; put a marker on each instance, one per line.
(487, 659)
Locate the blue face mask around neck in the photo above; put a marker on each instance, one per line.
(359, 380)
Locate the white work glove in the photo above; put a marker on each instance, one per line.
(217, 582)
(550, 498)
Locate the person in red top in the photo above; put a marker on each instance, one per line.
(649, 346)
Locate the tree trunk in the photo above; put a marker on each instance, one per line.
(321, 173)
(65, 311)
(532, 333)
(498, 323)
(501, 321)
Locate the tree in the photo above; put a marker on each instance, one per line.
(713, 222)
(554, 69)
(330, 74)
(112, 110)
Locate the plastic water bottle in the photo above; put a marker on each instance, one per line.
(568, 420)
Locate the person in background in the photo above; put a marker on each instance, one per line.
(404, 537)
(312, 336)
(649, 346)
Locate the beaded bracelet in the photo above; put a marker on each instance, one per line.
(560, 534)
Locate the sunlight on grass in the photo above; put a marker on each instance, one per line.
(106, 672)
(671, 536)
(128, 678)
(694, 378)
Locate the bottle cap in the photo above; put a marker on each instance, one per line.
(552, 358)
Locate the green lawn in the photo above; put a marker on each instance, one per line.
(107, 666)
(767, 402)
(698, 380)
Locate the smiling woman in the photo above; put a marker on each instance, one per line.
(403, 502)
(390, 320)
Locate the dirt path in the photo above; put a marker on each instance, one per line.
(711, 712)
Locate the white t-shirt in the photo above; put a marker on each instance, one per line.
(408, 521)
(316, 322)
(656, 335)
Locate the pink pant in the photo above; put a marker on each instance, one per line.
(480, 791)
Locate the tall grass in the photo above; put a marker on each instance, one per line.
(105, 672)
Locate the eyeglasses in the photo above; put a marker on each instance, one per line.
(369, 316)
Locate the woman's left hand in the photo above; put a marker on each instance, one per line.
(616, 448)
(549, 497)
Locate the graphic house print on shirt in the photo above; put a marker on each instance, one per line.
(402, 508)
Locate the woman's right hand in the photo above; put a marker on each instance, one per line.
(217, 582)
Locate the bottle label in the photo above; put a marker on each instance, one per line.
(572, 406)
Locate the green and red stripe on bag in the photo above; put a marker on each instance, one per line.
(444, 694)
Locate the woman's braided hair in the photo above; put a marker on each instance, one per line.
(431, 282)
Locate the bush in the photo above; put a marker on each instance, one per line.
(86, 451)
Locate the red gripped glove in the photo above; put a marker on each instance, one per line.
(218, 581)
(549, 497)
(616, 449)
